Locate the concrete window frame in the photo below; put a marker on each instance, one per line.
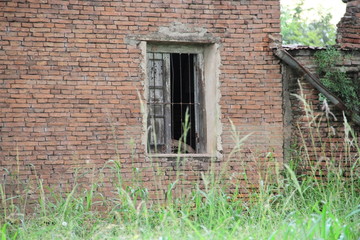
(209, 65)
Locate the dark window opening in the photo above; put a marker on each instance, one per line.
(182, 98)
(173, 94)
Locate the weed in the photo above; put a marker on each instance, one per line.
(286, 205)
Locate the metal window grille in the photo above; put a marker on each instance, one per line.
(173, 94)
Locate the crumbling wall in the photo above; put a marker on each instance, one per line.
(71, 77)
(348, 33)
(316, 130)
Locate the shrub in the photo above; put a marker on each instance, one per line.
(335, 79)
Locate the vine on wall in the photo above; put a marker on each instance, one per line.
(335, 78)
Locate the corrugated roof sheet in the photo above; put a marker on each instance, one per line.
(301, 47)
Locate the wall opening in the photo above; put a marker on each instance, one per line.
(182, 78)
(183, 97)
(175, 103)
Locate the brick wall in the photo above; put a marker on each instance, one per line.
(348, 33)
(70, 76)
(318, 137)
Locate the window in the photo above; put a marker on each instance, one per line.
(175, 100)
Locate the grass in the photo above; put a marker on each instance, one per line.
(291, 207)
(301, 210)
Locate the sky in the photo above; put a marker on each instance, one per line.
(336, 7)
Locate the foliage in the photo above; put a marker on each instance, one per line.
(286, 208)
(296, 29)
(335, 79)
(301, 210)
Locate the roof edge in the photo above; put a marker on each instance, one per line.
(315, 82)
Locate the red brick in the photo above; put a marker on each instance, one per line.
(72, 78)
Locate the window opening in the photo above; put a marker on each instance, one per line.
(173, 93)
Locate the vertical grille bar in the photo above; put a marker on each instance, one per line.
(181, 93)
(172, 94)
(189, 106)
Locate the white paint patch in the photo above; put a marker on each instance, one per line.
(182, 30)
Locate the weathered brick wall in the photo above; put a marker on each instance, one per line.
(70, 76)
(348, 33)
(319, 137)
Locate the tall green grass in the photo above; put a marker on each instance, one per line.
(287, 207)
